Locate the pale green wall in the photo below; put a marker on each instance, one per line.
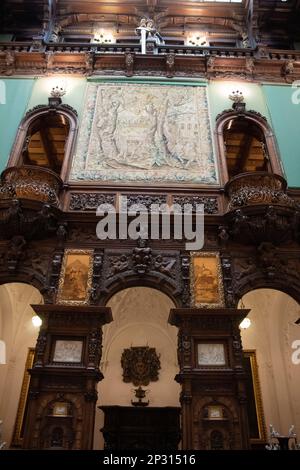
(218, 92)
(285, 116)
(273, 101)
(75, 91)
(16, 96)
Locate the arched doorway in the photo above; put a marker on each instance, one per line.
(272, 336)
(140, 319)
(19, 335)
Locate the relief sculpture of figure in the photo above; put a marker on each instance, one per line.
(145, 133)
(106, 126)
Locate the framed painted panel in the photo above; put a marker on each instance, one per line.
(211, 354)
(76, 277)
(61, 409)
(257, 426)
(215, 412)
(68, 351)
(18, 433)
(206, 280)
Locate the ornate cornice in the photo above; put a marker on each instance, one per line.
(18, 58)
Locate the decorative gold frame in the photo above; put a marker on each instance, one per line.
(17, 438)
(60, 294)
(258, 396)
(219, 279)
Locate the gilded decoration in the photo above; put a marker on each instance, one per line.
(145, 134)
(17, 438)
(140, 365)
(261, 425)
(76, 277)
(206, 280)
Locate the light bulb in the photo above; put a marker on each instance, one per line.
(245, 324)
(36, 321)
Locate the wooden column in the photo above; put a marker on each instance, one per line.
(213, 398)
(64, 377)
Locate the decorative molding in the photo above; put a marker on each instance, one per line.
(90, 201)
(87, 59)
(211, 205)
(46, 108)
(146, 199)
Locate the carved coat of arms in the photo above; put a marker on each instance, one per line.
(140, 365)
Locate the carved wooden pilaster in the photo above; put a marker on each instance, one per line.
(212, 379)
(65, 376)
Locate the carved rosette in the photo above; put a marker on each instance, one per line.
(257, 188)
(30, 182)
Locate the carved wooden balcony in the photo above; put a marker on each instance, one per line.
(30, 182)
(249, 189)
(259, 210)
(29, 200)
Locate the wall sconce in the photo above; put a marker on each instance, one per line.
(197, 40)
(238, 100)
(36, 321)
(58, 90)
(104, 37)
(2, 352)
(244, 325)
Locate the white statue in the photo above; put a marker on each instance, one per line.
(142, 31)
(292, 431)
(273, 432)
(148, 33)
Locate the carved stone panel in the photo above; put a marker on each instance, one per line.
(145, 133)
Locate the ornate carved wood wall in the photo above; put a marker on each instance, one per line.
(213, 396)
(253, 223)
(64, 377)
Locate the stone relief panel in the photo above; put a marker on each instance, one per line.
(145, 134)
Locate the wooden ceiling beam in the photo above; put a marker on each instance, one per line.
(49, 148)
(245, 148)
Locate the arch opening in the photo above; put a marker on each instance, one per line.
(45, 142)
(272, 340)
(245, 147)
(140, 318)
(19, 335)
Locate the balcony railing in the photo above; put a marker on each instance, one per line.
(30, 182)
(76, 47)
(249, 189)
